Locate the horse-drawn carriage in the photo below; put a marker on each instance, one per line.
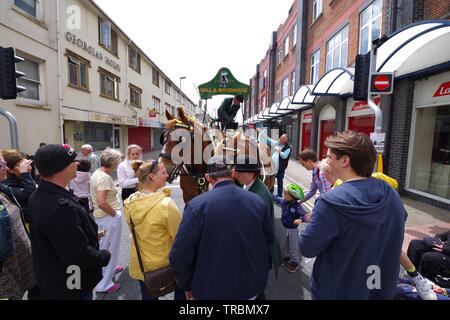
(188, 145)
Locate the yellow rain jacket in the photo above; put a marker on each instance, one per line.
(156, 219)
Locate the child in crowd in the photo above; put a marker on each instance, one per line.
(80, 184)
(308, 159)
(292, 214)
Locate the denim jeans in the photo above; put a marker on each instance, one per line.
(280, 177)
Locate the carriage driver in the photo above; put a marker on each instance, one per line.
(228, 110)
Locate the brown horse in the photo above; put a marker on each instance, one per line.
(240, 144)
(187, 148)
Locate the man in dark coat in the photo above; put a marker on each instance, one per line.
(228, 110)
(221, 248)
(64, 238)
(247, 173)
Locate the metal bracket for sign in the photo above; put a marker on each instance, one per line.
(12, 128)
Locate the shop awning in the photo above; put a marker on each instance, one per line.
(303, 95)
(418, 48)
(336, 82)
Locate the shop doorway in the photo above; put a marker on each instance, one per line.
(306, 136)
(327, 128)
(140, 136)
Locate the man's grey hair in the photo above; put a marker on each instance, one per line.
(87, 146)
(220, 174)
(110, 157)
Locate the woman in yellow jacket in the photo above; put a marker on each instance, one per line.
(156, 219)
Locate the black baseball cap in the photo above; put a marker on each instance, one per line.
(53, 158)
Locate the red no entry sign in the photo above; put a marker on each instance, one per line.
(381, 83)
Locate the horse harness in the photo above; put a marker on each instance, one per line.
(182, 169)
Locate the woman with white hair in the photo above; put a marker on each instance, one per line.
(108, 215)
(125, 174)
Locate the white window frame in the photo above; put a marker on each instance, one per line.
(292, 91)
(286, 47)
(285, 87)
(279, 56)
(343, 44)
(278, 91)
(39, 10)
(369, 24)
(317, 9)
(156, 104)
(294, 35)
(41, 100)
(137, 66)
(116, 85)
(167, 86)
(315, 65)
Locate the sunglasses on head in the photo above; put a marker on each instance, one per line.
(154, 164)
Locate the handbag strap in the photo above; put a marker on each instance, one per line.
(133, 232)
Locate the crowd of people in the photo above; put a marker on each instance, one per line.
(60, 233)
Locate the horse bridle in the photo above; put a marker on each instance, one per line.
(181, 169)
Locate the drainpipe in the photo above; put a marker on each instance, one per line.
(12, 128)
(59, 53)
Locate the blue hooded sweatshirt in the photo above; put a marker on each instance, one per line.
(356, 232)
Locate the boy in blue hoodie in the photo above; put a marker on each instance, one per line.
(292, 214)
(356, 231)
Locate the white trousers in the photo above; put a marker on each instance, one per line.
(110, 242)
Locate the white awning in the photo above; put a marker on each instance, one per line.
(416, 48)
(303, 95)
(336, 82)
(265, 114)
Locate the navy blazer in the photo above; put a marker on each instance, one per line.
(221, 248)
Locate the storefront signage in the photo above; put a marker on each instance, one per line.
(443, 90)
(149, 123)
(98, 117)
(361, 105)
(91, 50)
(307, 116)
(378, 139)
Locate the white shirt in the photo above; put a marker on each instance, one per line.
(248, 186)
(125, 175)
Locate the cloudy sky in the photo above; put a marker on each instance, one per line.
(195, 38)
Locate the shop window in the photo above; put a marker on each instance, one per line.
(78, 71)
(285, 92)
(135, 96)
(286, 46)
(29, 6)
(155, 77)
(314, 72)
(337, 48)
(317, 9)
(167, 87)
(430, 161)
(156, 104)
(107, 36)
(109, 84)
(294, 36)
(370, 26)
(134, 59)
(31, 80)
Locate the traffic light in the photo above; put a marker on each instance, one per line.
(8, 74)
(361, 78)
